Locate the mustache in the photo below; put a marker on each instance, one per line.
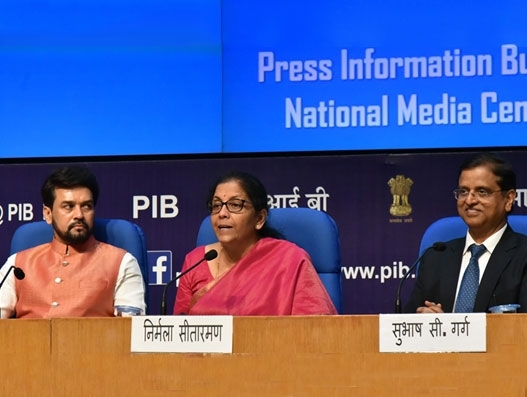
(77, 223)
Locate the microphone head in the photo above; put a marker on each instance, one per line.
(210, 255)
(439, 246)
(19, 273)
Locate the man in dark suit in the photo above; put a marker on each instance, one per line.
(485, 196)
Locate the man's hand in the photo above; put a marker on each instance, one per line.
(430, 307)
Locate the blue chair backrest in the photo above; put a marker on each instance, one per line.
(118, 232)
(314, 231)
(448, 228)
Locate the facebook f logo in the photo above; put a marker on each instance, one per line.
(160, 267)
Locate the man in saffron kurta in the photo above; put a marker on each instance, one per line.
(74, 275)
(87, 280)
(275, 277)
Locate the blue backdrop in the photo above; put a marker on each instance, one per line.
(114, 77)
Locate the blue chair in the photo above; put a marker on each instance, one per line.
(314, 231)
(448, 228)
(118, 232)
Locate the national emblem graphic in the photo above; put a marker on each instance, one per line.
(400, 187)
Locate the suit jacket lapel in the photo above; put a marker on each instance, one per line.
(452, 265)
(499, 259)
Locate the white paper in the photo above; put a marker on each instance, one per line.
(442, 332)
(182, 334)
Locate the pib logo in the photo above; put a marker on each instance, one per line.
(164, 206)
(18, 212)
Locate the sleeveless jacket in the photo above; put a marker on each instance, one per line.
(66, 281)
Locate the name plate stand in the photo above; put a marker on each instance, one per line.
(433, 333)
(182, 334)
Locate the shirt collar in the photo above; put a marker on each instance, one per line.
(490, 243)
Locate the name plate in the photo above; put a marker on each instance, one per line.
(429, 333)
(182, 334)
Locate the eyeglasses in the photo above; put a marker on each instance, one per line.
(234, 206)
(482, 194)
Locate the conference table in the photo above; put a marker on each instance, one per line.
(272, 356)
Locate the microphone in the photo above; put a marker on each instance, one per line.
(209, 255)
(437, 246)
(19, 274)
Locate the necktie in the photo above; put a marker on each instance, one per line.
(470, 282)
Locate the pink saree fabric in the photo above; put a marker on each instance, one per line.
(275, 278)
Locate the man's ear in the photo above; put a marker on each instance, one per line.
(511, 196)
(46, 211)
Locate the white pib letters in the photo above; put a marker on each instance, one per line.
(20, 211)
(164, 206)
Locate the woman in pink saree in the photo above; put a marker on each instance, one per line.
(256, 272)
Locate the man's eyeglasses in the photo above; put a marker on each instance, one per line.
(483, 194)
(234, 206)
